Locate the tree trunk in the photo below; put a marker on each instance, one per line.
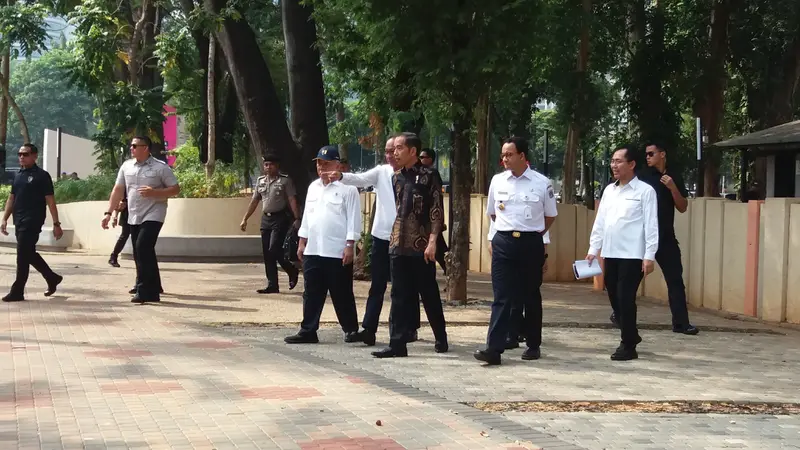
(255, 91)
(306, 88)
(5, 71)
(228, 118)
(461, 182)
(710, 99)
(482, 164)
(212, 110)
(340, 118)
(201, 41)
(359, 272)
(22, 123)
(376, 124)
(574, 130)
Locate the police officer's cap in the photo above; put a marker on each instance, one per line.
(328, 153)
(271, 158)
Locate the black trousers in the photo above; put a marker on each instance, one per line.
(669, 259)
(273, 233)
(148, 277)
(124, 234)
(622, 277)
(380, 268)
(413, 278)
(516, 281)
(441, 249)
(27, 256)
(321, 276)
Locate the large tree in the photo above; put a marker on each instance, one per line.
(450, 50)
(262, 110)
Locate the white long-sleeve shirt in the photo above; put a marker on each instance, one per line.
(332, 216)
(380, 177)
(626, 225)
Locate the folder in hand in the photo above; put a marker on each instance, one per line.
(582, 269)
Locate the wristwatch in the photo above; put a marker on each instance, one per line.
(545, 256)
(348, 245)
(106, 213)
(56, 224)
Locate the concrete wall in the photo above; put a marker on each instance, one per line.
(77, 155)
(202, 216)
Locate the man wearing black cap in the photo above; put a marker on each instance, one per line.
(331, 224)
(31, 192)
(279, 203)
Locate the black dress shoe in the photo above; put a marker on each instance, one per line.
(690, 329)
(112, 261)
(367, 337)
(132, 291)
(521, 338)
(614, 320)
(413, 336)
(489, 357)
(301, 338)
(137, 299)
(352, 336)
(531, 354)
(511, 344)
(293, 277)
(269, 290)
(52, 285)
(389, 352)
(441, 347)
(14, 297)
(624, 354)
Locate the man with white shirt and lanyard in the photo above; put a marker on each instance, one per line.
(517, 332)
(626, 229)
(522, 205)
(380, 177)
(330, 226)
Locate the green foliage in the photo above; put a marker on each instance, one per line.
(42, 91)
(93, 187)
(5, 191)
(100, 66)
(225, 182)
(126, 110)
(23, 29)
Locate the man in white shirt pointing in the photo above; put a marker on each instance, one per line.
(626, 229)
(331, 225)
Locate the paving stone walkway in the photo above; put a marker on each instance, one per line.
(87, 369)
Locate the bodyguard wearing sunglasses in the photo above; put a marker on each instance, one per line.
(31, 191)
(148, 182)
(672, 194)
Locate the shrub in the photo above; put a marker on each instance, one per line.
(93, 187)
(191, 174)
(5, 191)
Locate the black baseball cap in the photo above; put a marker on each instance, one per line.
(328, 153)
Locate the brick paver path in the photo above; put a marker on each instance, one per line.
(87, 369)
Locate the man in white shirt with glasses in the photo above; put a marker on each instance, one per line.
(625, 234)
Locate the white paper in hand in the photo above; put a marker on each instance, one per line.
(582, 269)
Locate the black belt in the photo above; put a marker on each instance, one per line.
(519, 234)
(275, 214)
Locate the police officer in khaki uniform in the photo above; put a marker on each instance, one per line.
(277, 194)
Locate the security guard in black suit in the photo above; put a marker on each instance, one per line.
(31, 195)
(277, 194)
(522, 204)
